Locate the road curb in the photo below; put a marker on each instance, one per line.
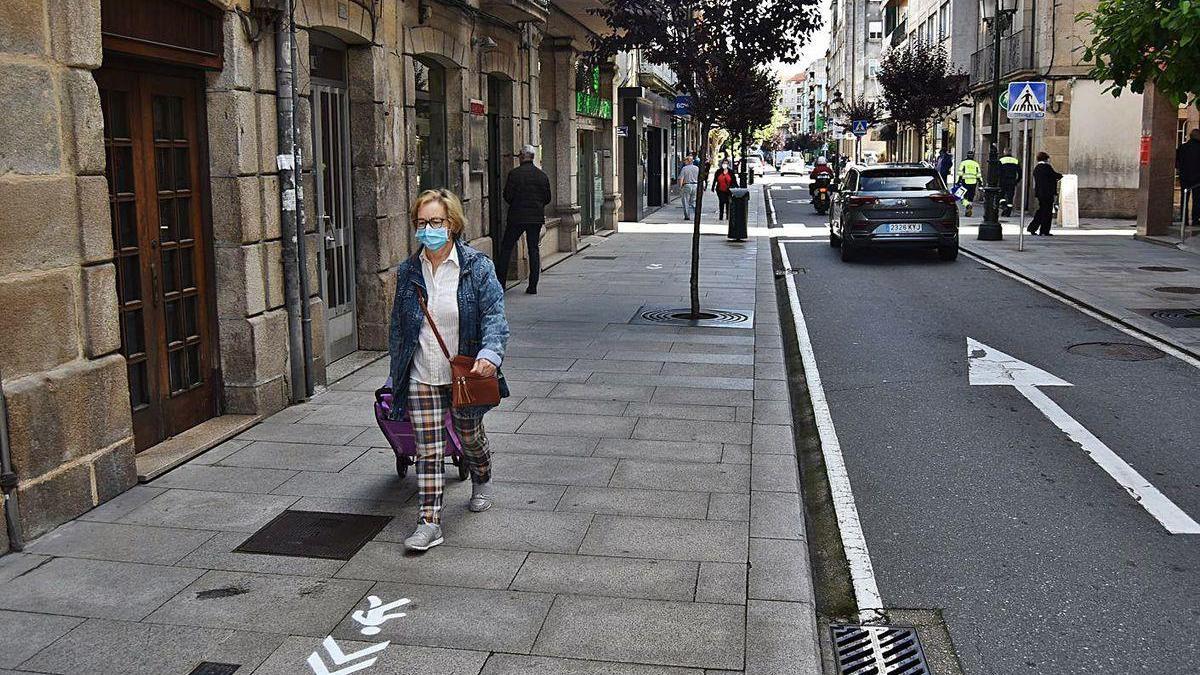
(1077, 302)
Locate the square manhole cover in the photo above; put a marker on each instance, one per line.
(1173, 316)
(314, 534)
(878, 650)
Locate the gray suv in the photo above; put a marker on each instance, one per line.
(893, 205)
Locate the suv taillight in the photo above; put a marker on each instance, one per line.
(861, 201)
(944, 199)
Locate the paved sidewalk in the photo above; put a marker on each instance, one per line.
(648, 518)
(1104, 270)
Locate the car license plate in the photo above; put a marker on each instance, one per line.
(902, 228)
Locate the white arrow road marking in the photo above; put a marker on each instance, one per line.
(992, 367)
(854, 542)
(339, 657)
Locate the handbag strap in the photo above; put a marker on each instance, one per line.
(429, 318)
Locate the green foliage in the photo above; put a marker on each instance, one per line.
(806, 142)
(1137, 43)
(866, 109)
(920, 85)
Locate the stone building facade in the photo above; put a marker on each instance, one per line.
(142, 253)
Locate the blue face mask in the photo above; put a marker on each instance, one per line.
(433, 238)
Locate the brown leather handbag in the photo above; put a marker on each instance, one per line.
(467, 389)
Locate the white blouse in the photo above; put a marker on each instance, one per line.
(429, 363)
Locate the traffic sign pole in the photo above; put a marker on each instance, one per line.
(1024, 181)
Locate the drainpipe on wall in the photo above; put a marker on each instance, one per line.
(301, 223)
(8, 480)
(285, 126)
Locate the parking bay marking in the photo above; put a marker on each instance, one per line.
(992, 367)
(854, 542)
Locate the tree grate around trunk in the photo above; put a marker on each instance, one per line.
(658, 315)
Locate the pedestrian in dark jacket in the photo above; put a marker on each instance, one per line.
(945, 163)
(1045, 188)
(527, 192)
(1187, 161)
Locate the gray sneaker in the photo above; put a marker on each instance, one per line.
(481, 497)
(425, 537)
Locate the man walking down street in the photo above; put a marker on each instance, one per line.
(1187, 161)
(1010, 175)
(945, 163)
(969, 173)
(1045, 188)
(527, 192)
(689, 176)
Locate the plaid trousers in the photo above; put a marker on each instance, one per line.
(427, 406)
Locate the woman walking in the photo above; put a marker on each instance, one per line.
(457, 285)
(723, 182)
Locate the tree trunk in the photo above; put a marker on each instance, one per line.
(695, 281)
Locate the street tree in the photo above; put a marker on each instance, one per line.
(1135, 43)
(920, 86)
(746, 98)
(806, 142)
(703, 42)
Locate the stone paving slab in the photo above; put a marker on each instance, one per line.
(296, 456)
(218, 554)
(512, 664)
(120, 543)
(644, 631)
(607, 576)
(95, 588)
(460, 618)
(127, 648)
(664, 451)
(667, 539)
(23, 634)
(290, 657)
(290, 605)
(633, 502)
(453, 566)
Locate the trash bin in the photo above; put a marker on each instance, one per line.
(739, 209)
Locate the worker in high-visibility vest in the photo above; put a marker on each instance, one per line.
(969, 174)
(1010, 175)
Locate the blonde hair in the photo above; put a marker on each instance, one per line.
(456, 218)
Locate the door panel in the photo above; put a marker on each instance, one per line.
(331, 133)
(152, 135)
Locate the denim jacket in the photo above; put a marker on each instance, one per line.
(482, 327)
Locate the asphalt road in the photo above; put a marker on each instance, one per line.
(971, 500)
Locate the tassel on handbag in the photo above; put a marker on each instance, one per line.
(467, 389)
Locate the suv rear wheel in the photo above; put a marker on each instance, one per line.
(948, 253)
(834, 240)
(849, 252)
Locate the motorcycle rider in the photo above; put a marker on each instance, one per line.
(821, 168)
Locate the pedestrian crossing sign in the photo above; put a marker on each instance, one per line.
(1026, 100)
(859, 127)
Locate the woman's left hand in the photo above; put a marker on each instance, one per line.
(484, 368)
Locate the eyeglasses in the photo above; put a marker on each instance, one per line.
(430, 222)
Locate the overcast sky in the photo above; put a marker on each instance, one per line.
(812, 51)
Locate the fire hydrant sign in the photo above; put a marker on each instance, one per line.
(1026, 100)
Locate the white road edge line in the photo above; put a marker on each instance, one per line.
(1148, 339)
(1173, 518)
(854, 542)
(770, 202)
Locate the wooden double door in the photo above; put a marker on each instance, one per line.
(154, 139)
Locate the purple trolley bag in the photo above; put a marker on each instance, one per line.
(399, 433)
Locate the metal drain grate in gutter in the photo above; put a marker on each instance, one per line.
(878, 650)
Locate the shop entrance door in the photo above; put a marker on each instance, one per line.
(159, 204)
(335, 219)
(585, 184)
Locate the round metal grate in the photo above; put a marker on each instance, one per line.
(712, 316)
(1162, 268)
(1182, 290)
(1116, 351)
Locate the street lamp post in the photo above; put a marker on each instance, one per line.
(998, 15)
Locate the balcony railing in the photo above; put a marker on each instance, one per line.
(1015, 55)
